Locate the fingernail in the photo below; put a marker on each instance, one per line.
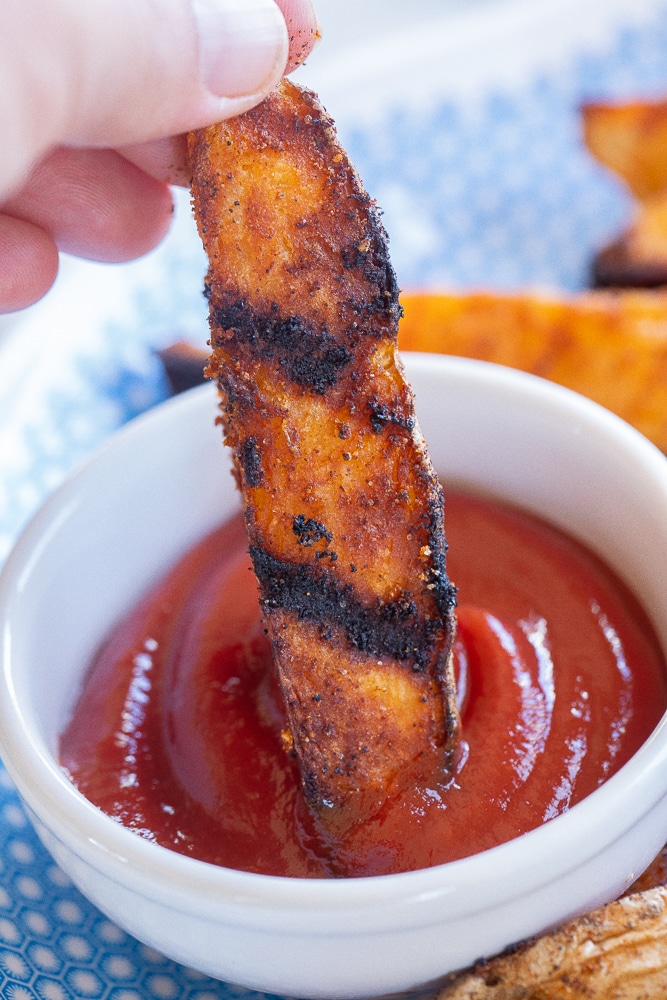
(243, 45)
(303, 30)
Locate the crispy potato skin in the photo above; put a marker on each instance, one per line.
(343, 509)
(614, 953)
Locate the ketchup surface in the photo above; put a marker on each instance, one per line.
(176, 733)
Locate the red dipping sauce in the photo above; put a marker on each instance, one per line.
(176, 734)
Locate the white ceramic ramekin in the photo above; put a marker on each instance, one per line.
(157, 487)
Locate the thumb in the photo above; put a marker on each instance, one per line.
(115, 72)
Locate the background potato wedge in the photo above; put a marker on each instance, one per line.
(614, 953)
(638, 258)
(609, 346)
(630, 138)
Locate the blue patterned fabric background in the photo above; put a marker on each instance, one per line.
(498, 193)
(505, 196)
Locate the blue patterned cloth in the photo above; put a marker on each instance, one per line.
(505, 196)
(498, 193)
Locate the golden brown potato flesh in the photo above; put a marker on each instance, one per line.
(344, 512)
(609, 346)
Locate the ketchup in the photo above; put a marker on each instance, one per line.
(177, 731)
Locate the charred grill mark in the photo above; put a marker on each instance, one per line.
(310, 357)
(381, 415)
(383, 306)
(355, 256)
(370, 256)
(443, 590)
(239, 394)
(390, 629)
(308, 531)
(251, 462)
(318, 373)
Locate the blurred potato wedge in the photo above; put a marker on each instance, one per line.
(631, 140)
(638, 258)
(609, 346)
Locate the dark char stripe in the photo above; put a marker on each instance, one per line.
(391, 629)
(251, 461)
(310, 357)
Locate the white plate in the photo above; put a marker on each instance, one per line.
(462, 119)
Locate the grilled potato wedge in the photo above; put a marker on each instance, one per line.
(343, 509)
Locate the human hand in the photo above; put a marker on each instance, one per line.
(94, 101)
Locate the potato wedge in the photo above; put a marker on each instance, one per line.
(343, 509)
(638, 258)
(630, 138)
(614, 953)
(611, 347)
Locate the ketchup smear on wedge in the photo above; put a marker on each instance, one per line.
(176, 733)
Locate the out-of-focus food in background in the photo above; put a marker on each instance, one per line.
(630, 139)
(609, 346)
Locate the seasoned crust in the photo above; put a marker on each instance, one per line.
(614, 953)
(343, 509)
